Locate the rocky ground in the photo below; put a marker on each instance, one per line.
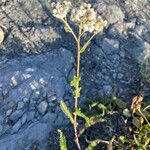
(37, 63)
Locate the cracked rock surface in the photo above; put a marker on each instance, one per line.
(37, 63)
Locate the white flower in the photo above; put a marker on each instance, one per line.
(85, 17)
(99, 25)
(60, 10)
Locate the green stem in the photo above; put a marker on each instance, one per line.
(77, 88)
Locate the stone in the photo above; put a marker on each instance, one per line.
(42, 107)
(16, 115)
(19, 124)
(20, 105)
(30, 115)
(107, 89)
(110, 46)
(8, 112)
(49, 117)
(112, 13)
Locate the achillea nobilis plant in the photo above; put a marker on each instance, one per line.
(86, 20)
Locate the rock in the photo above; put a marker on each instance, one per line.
(110, 46)
(8, 112)
(107, 89)
(35, 133)
(1, 129)
(20, 105)
(30, 115)
(137, 48)
(16, 127)
(112, 13)
(16, 115)
(42, 107)
(49, 117)
(19, 124)
(1, 119)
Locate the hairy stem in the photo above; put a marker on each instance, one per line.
(76, 97)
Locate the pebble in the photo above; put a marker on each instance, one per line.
(42, 107)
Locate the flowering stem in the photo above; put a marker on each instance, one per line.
(77, 88)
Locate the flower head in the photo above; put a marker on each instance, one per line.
(99, 25)
(60, 10)
(87, 19)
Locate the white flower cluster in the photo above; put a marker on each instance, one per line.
(87, 19)
(84, 16)
(60, 10)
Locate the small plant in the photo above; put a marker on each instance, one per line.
(86, 19)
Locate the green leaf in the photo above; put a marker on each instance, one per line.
(94, 104)
(126, 113)
(119, 103)
(75, 81)
(62, 140)
(103, 108)
(82, 115)
(95, 119)
(66, 111)
(85, 46)
(122, 139)
(93, 144)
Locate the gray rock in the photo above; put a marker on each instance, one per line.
(49, 117)
(1, 129)
(110, 46)
(16, 115)
(107, 89)
(1, 119)
(30, 115)
(8, 112)
(42, 107)
(19, 124)
(35, 133)
(112, 13)
(20, 105)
